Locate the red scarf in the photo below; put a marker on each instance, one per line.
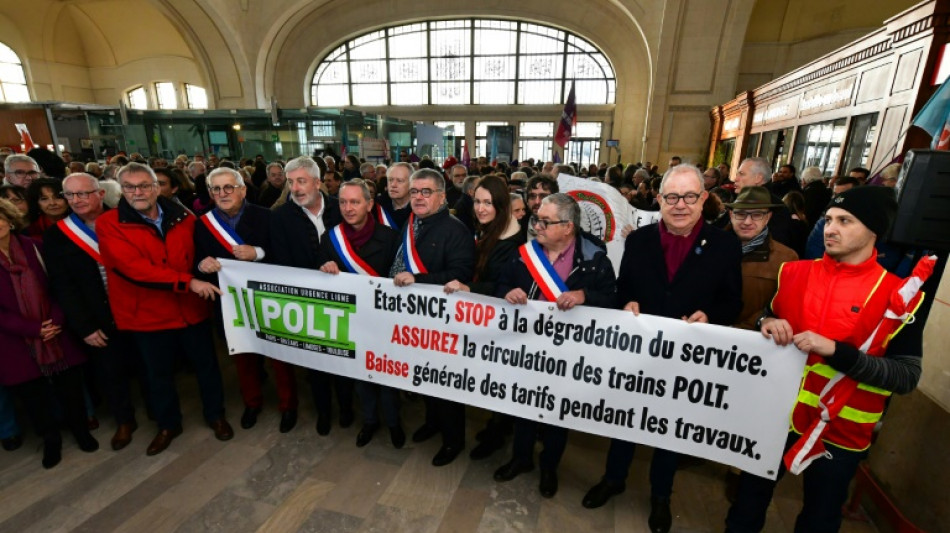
(360, 237)
(33, 299)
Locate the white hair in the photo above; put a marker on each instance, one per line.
(683, 168)
(811, 174)
(238, 178)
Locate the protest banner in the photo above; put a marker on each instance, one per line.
(709, 391)
(605, 212)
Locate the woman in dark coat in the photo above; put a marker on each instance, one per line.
(37, 353)
(496, 245)
(45, 206)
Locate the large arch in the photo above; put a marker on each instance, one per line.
(299, 40)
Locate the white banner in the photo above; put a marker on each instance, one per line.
(605, 212)
(709, 391)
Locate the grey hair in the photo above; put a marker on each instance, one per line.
(460, 166)
(643, 173)
(274, 164)
(760, 166)
(108, 172)
(811, 174)
(93, 179)
(357, 182)
(567, 208)
(516, 196)
(683, 168)
(380, 166)
(305, 162)
(470, 183)
(429, 174)
(519, 176)
(136, 168)
(195, 164)
(406, 166)
(238, 178)
(365, 167)
(18, 158)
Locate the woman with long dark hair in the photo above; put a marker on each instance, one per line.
(497, 240)
(45, 206)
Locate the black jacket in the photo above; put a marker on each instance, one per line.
(399, 217)
(76, 284)
(378, 252)
(253, 228)
(591, 272)
(709, 280)
(446, 249)
(294, 238)
(817, 196)
(499, 260)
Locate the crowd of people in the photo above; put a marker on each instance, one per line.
(108, 275)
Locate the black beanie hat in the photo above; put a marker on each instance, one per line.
(873, 205)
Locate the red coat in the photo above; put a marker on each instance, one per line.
(148, 273)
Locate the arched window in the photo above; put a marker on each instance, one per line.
(138, 98)
(12, 78)
(457, 62)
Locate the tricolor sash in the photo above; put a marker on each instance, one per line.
(384, 218)
(410, 254)
(353, 263)
(221, 231)
(78, 232)
(542, 271)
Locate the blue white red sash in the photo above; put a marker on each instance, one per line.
(353, 263)
(385, 218)
(410, 254)
(78, 232)
(542, 270)
(221, 231)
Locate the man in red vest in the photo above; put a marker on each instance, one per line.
(830, 308)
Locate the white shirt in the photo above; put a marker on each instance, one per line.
(317, 219)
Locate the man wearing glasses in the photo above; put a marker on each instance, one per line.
(538, 188)
(237, 229)
(762, 256)
(20, 170)
(585, 277)
(78, 282)
(677, 268)
(436, 248)
(147, 246)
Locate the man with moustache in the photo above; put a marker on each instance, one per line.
(147, 247)
(273, 188)
(237, 229)
(362, 246)
(78, 282)
(297, 228)
(436, 248)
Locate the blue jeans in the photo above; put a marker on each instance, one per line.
(371, 395)
(8, 426)
(825, 490)
(160, 349)
(662, 467)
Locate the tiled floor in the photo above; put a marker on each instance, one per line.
(266, 481)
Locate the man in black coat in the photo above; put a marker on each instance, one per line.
(297, 228)
(446, 251)
(677, 268)
(375, 247)
(77, 282)
(816, 193)
(580, 260)
(392, 209)
(237, 229)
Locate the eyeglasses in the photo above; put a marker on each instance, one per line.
(424, 192)
(82, 195)
(226, 189)
(690, 198)
(538, 195)
(535, 221)
(26, 174)
(143, 187)
(754, 215)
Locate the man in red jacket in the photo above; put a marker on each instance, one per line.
(831, 309)
(147, 247)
